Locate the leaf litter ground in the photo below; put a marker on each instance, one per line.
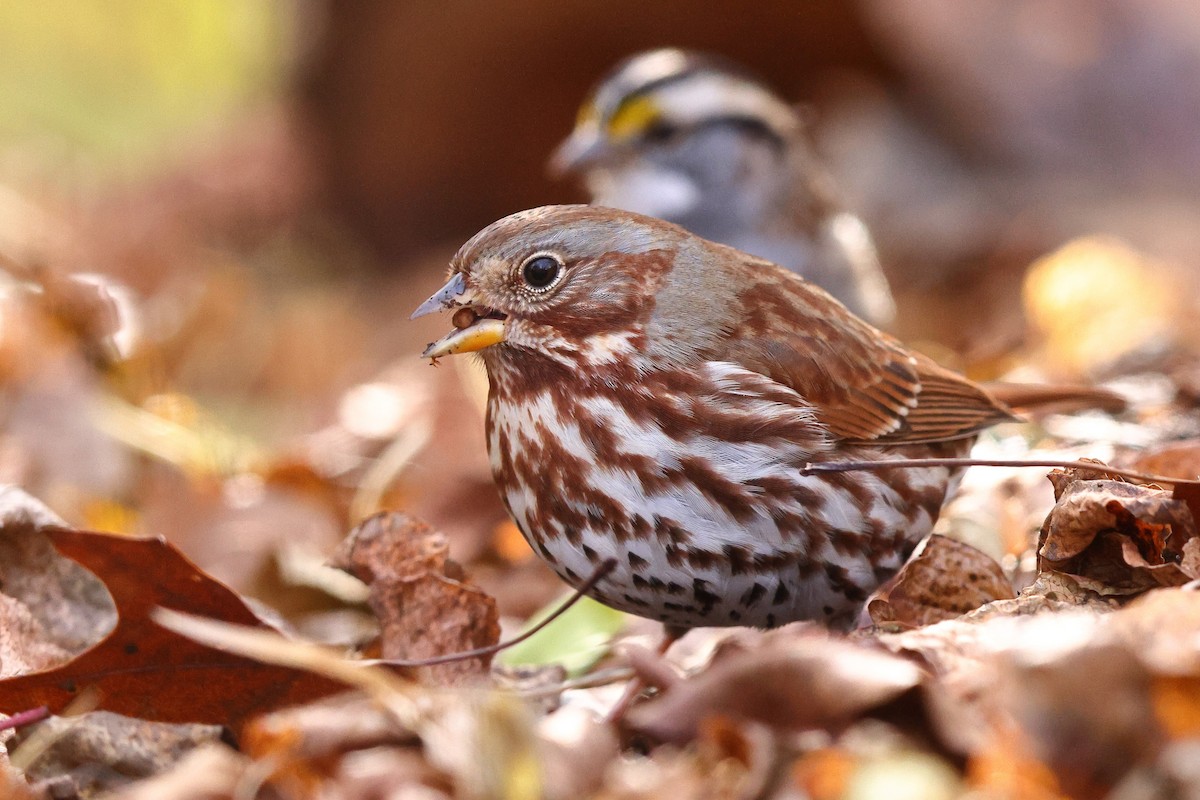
(1046, 643)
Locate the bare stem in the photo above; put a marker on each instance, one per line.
(914, 463)
(24, 718)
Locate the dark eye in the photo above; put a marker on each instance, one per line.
(541, 271)
(660, 133)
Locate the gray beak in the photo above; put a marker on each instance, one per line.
(469, 335)
(449, 296)
(583, 148)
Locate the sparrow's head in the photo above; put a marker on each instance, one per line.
(584, 286)
(672, 132)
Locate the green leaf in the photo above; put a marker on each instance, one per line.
(577, 639)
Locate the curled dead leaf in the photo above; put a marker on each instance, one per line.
(1082, 698)
(944, 579)
(424, 606)
(1124, 537)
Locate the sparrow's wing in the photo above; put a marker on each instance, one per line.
(864, 384)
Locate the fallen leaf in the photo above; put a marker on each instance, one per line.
(1126, 538)
(1081, 696)
(961, 652)
(210, 772)
(50, 607)
(1176, 459)
(1163, 628)
(793, 684)
(1188, 493)
(306, 743)
(143, 670)
(577, 639)
(945, 579)
(102, 751)
(424, 606)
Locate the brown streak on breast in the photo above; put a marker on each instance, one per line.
(728, 494)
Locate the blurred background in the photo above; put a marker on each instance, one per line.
(215, 218)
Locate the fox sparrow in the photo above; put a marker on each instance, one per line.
(654, 398)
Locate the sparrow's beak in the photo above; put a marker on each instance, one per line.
(585, 147)
(475, 329)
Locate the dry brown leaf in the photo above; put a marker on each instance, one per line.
(953, 647)
(1188, 493)
(945, 579)
(1125, 537)
(50, 607)
(210, 772)
(102, 751)
(1163, 627)
(792, 684)
(143, 670)
(1177, 459)
(424, 607)
(1082, 698)
(1077, 693)
(307, 743)
(961, 652)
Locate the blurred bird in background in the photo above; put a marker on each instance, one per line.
(697, 141)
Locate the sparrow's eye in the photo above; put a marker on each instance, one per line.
(540, 271)
(660, 133)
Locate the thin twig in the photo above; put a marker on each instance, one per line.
(24, 718)
(41, 739)
(605, 567)
(913, 463)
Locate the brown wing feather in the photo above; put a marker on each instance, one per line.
(949, 406)
(865, 385)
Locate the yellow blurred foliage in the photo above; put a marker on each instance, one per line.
(1096, 299)
(118, 79)
(110, 516)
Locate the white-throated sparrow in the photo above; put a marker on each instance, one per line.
(694, 140)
